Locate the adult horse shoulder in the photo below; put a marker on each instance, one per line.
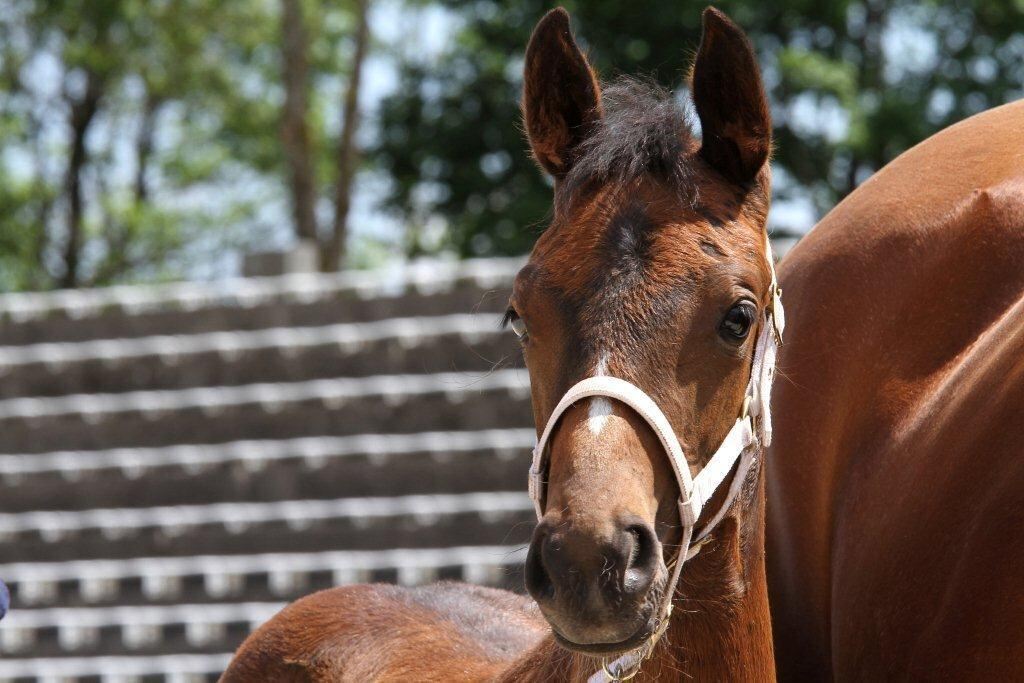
(648, 316)
(896, 482)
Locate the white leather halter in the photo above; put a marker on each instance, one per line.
(752, 430)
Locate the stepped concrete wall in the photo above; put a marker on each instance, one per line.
(178, 462)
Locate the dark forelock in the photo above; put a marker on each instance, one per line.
(645, 130)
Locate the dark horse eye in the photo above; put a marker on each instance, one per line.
(736, 324)
(513, 320)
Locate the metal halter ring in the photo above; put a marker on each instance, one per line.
(614, 676)
(644, 652)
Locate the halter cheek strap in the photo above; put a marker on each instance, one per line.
(751, 431)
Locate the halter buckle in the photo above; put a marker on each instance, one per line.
(778, 313)
(617, 675)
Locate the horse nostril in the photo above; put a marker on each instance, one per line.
(634, 541)
(538, 582)
(641, 550)
(570, 565)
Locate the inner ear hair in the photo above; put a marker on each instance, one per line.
(561, 95)
(730, 100)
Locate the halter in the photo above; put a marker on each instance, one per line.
(752, 431)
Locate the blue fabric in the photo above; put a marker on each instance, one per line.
(5, 599)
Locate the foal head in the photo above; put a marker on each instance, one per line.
(653, 270)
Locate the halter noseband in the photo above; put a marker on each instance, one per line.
(752, 430)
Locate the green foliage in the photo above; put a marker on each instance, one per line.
(852, 84)
(21, 232)
(203, 77)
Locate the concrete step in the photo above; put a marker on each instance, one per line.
(205, 452)
(128, 630)
(165, 668)
(284, 526)
(462, 342)
(252, 578)
(306, 300)
(272, 470)
(388, 403)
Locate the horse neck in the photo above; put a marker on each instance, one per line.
(721, 625)
(720, 628)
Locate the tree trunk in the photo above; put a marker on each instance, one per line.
(348, 153)
(294, 131)
(144, 147)
(40, 278)
(82, 113)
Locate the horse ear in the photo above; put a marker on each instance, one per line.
(561, 97)
(730, 100)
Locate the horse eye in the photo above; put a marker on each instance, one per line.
(513, 320)
(736, 324)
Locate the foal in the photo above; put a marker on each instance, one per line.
(654, 274)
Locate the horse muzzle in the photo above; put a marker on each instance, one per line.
(599, 592)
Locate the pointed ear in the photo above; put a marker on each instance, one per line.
(730, 100)
(561, 97)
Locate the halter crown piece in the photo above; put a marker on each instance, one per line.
(751, 432)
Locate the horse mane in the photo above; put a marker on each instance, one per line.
(646, 130)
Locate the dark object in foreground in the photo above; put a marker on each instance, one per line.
(5, 600)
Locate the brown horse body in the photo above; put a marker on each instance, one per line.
(455, 632)
(654, 271)
(896, 478)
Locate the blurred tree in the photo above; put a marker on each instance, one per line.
(853, 83)
(295, 48)
(294, 124)
(348, 154)
(137, 134)
(139, 137)
(88, 86)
